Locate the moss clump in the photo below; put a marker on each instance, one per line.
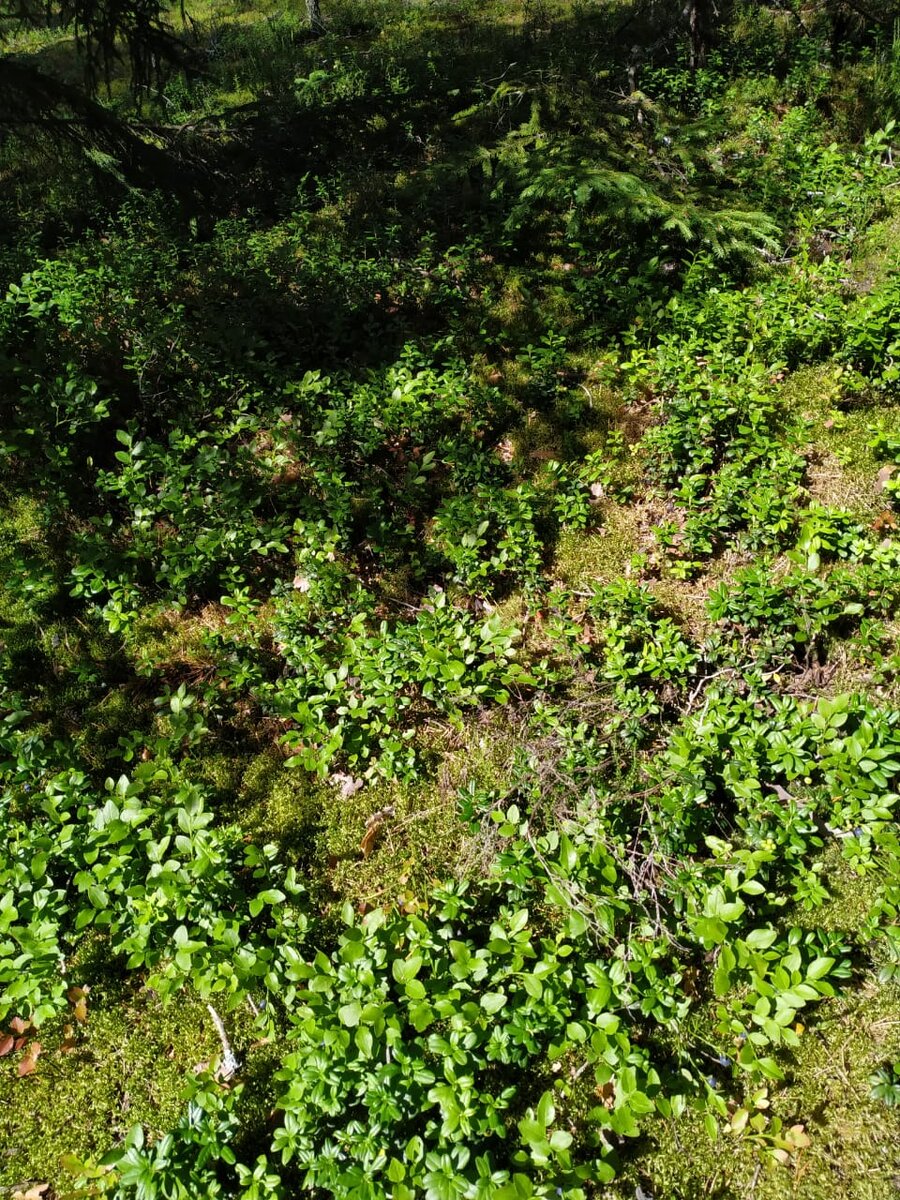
(422, 842)
(128, 1065)
(20, 531)
(814, 393)
(583, 559)
(418, 841)
(169, 637)
(843, 469)
(278, 803)
(878, 254)
(219, 774)
(854, 1152)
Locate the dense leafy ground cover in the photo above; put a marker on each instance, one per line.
(450, 625)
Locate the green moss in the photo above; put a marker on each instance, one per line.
(423, 842)
(854, 1151)
(584, 558)
(848, 434)
(278, 803)
(843, 469)
(813, 392)
(161, 637)
(850, 892)
(20, 529)
(686, 600)
(878, 253)
(419, 839)
(128, 1065)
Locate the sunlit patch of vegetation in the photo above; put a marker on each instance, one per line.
(450, 686)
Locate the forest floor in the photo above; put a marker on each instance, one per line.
(483, 468)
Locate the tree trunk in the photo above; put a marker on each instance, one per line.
(698, 48)
(314, 15)
(700, 17)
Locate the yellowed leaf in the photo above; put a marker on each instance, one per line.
(798, 1137)
(739, 1120)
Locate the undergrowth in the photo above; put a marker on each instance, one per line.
(451, 684)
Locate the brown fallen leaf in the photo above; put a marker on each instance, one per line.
(885, 520)
(373, 825)
(68, 1043)
(77, 997)
(607, 1094)
(367, 845)
(7, 1044)
(18, 1025)
(35, 1192)
(28, 1062)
